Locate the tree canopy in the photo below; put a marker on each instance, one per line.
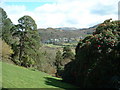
(5, 27)
(97, 57)
(28, 41)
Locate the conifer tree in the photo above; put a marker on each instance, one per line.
(67, 53)
(29, 41)
(5, 27)
(58, 59)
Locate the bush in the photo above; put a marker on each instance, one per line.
(97, 57)
(6, 51)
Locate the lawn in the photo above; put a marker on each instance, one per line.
(19, 77)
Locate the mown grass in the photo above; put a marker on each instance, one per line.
(18, 77)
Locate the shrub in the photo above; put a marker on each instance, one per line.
(97, 57)
(6, 51)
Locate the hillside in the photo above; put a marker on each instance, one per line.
(19, 77)
(56, 33)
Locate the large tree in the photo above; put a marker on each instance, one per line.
(29, 41)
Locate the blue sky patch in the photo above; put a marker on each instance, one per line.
(29, 5)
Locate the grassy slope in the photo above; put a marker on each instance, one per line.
(19, 77)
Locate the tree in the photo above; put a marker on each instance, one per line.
(67, 53)
(58, 63)
(5, 27)
(29, 41)
(58, 59)
(62, 59)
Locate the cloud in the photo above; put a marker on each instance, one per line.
(28, 0)
(14, 12)
(67, 13)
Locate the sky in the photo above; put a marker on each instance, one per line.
(62, 13)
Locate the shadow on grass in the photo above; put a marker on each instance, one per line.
(58, 83)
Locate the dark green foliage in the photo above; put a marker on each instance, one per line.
(97, 58)
(5, 27)
(58, 63)
(62, 59)
(6, 35)
(27, 42)
(67, 53)
(58, 59)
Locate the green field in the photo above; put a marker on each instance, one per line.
(18, 77)
(61, 47)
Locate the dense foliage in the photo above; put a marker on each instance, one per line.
(67, 53)
(97, 62)
(6, 38)
(5, 51)
(24, 40)
(58, 63)
(28, 42)
(5, 27)
(58, 59)
(62, 59)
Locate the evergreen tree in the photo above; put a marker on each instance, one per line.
(5, 27)
(67, 53)
(62, 59)
(29, 41)
(58, 59)
(58, 63)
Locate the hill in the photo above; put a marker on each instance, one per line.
(59, 33)
(66, 28)
(19, 77)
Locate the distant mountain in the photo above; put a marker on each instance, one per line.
(66, 28)
(73, 28)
